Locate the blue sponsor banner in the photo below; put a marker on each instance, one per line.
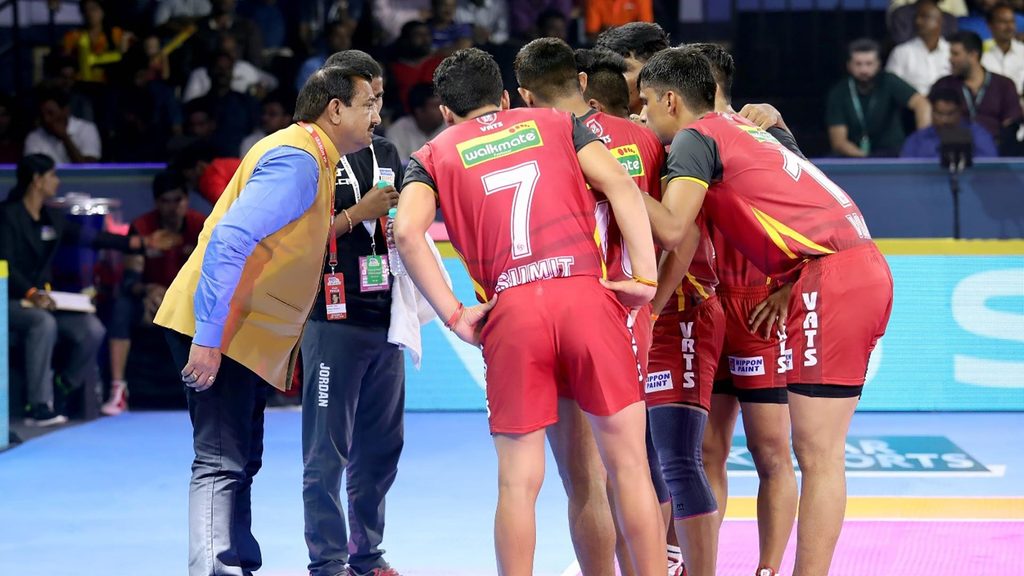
(955, 342)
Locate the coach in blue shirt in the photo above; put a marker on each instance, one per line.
(946, 114)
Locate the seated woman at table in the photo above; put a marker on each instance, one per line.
(30, 233)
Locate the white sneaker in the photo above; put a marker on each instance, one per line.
(118, 402)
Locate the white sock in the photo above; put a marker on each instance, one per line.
(675, 553)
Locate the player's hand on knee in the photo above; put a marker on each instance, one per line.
(771, 311)
(630, 293)
(764, 115)
(201, 371)
(472, 322)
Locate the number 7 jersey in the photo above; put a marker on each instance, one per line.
(514, 198)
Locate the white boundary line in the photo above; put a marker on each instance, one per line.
(572, 570)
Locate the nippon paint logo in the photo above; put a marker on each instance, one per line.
(629, 157)
(517, 138)
(746, 366)
(659, 381)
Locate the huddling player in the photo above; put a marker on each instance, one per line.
(795, 225)
(546, 70)
(513, 187)
(752, 371)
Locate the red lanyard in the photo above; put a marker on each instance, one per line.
(332, 240)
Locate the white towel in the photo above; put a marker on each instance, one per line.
(410, 310)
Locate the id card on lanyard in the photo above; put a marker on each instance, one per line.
(865, 140)
(334, 283)
(373, 269)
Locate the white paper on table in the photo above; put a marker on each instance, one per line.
(68, 302)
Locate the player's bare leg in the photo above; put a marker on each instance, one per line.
(622, 551)
(717, 444)
(520, 475)
(819, 440)
(622, 444)
(591, 525)
(767, 428)
(698, 539)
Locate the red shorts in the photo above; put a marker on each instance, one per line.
(749, 360)
(566, 334)
(838, 310)
(684, 356)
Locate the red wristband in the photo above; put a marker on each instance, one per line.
(455, 317)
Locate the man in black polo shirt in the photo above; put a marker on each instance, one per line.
(354, 389)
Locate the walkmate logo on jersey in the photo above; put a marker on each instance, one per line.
(501, 143)
(918, 455)
(659, 381)
(753, 366)
(629, 157)
(757, 134)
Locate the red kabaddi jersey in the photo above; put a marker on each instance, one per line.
(643, 157)
(161, 267)
(732, 267)
(773, 205)
(514, 197)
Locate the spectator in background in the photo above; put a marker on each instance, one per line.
(243, 75)
(10, 138)
(953, 7)
(61, 136)
(977, 22)
(200, 126)
(636, 42)
(277, 111)
(946, 115)
(393, 15)
(96, 46)
(338, 37)
(30, 233)
(148, 275)
(448, 35)
(224, 19)
(552, 24)
(902, 14)
(236, 113)
(270, 21)
(489, 19)
(603, 15)
(988, 99)
(413, 61)
(524, 16)
(177, 14)
(409, 133)
(62, 73)
(147, 113)
(863, 111)
(924, 59)
(1006, 54)
(206, 171)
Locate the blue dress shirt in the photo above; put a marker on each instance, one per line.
(282, 188)
(925, 143)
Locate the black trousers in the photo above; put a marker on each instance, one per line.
(353, 400)
(227, 435)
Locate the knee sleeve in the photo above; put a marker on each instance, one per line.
(678, 433)
(660, 488)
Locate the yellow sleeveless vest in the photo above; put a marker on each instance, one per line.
(279, 283)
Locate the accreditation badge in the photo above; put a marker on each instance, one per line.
(334, 295)
(373, 273)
